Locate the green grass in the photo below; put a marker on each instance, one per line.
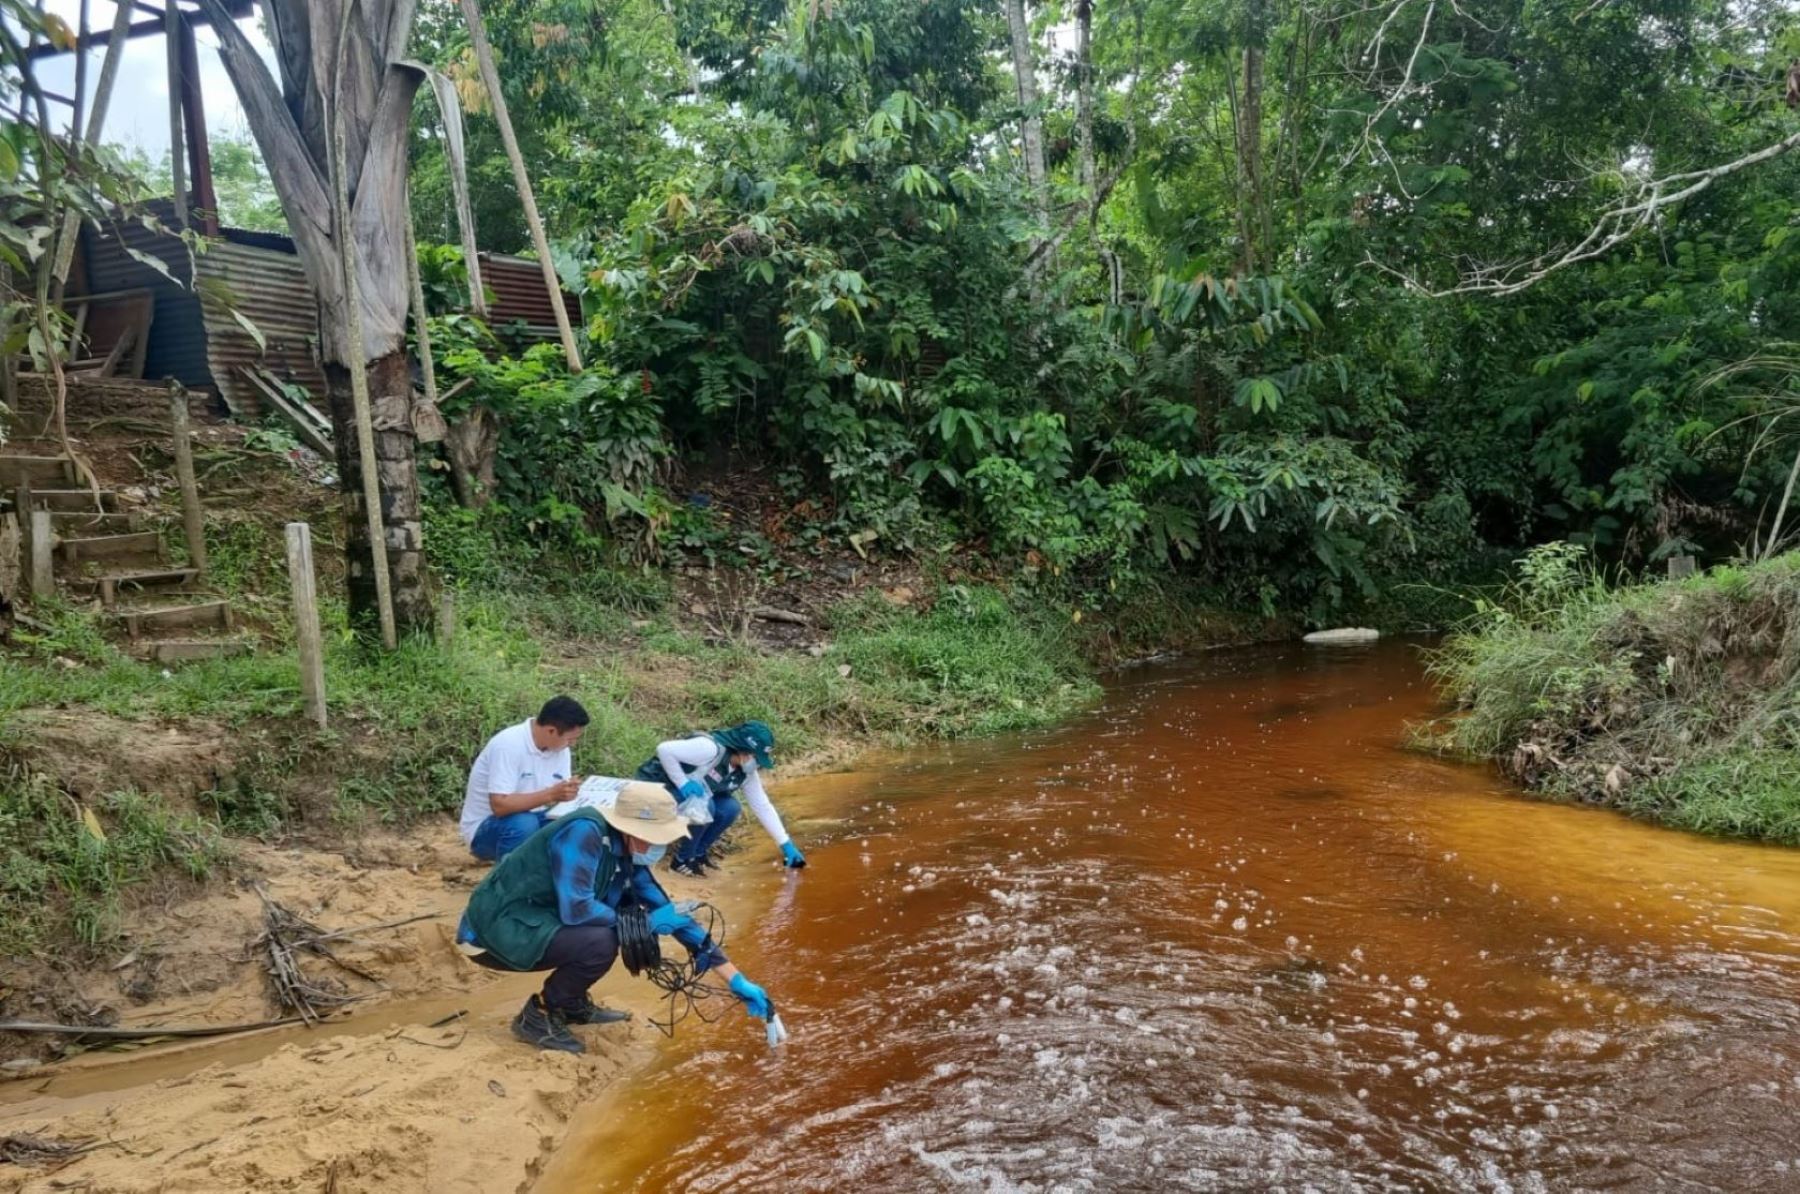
(973, 663)
(60, 882)
(405, 725)
(1676, 701)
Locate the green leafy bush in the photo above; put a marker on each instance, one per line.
(1676, 700)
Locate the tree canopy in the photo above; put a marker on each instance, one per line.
(1313, 298)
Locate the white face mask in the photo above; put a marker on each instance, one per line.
(649, 857)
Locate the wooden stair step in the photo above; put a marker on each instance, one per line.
(112, 547)
(189, 650)
(156, 579)
(36, 470)
(138, 622)
(71, 523)
(72, 500)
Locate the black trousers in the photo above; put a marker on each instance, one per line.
(577, 957)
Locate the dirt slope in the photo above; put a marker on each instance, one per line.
(377, 1101)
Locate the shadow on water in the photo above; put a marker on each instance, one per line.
(1186, 944)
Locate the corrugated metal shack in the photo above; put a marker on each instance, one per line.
(517, 300)
(200, 342)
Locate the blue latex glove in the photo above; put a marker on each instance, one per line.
(667, 918)
(693, 789)
(790, 854)
(756, 1000)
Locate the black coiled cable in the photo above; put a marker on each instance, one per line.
(641, 951)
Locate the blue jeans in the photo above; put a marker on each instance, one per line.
(498, 836)
(725, 810)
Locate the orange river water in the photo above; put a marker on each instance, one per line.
(1225, 933)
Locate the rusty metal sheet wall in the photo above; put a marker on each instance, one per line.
(270, 289)
(517, 287)
(177, 334)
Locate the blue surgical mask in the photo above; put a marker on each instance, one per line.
(649, 857)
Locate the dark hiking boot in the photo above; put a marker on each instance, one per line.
(592, 1013)
(689, 867)
(538, 1025)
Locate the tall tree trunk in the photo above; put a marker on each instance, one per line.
(490, 78)
(291, 123)
(1084, 101)
(1032, 130)
(1251, 220)
(1084, 130)
(396, 447)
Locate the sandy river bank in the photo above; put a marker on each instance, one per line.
(375, 1100)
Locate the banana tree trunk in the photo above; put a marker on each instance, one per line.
(390, 400)
(292, 122)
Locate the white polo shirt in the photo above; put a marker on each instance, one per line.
(509, 763)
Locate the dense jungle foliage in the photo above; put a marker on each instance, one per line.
(1305, 301)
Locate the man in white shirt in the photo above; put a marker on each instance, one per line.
(522, 771)
(707, 772)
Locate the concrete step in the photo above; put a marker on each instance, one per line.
(189, 650)
(35, 471)
(154, 580)
(140, 544)
(70, 524)
(72, 499)
(205, 614)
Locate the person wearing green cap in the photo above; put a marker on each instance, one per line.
(706, 772)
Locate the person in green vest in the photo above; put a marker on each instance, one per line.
(553, 904)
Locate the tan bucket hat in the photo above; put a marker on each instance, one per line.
(644, 810)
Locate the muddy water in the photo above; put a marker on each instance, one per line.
(1225, 934)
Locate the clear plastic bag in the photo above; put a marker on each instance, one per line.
(696, 809)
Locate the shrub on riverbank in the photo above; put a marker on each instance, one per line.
(1678, 701)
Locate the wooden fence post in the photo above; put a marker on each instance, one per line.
(193, 519)
(306, 621)
(43, 569)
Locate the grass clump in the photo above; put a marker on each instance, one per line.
(972, 663)
(62, 875)
(1676, 701)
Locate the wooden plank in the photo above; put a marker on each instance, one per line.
(72, 500)
(110, 586)
(11, 557)
(312, 427)
(112, 547)
(86, 522)
(139, 622)
(42, 566)
(193, 519)
(306, 621)
(36, 471)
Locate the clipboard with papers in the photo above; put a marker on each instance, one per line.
(596, 792)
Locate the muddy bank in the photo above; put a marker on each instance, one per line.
(377, 1100)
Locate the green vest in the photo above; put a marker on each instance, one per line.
(514, 911)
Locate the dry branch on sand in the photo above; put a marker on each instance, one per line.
(31, 1151)
(285, 937)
